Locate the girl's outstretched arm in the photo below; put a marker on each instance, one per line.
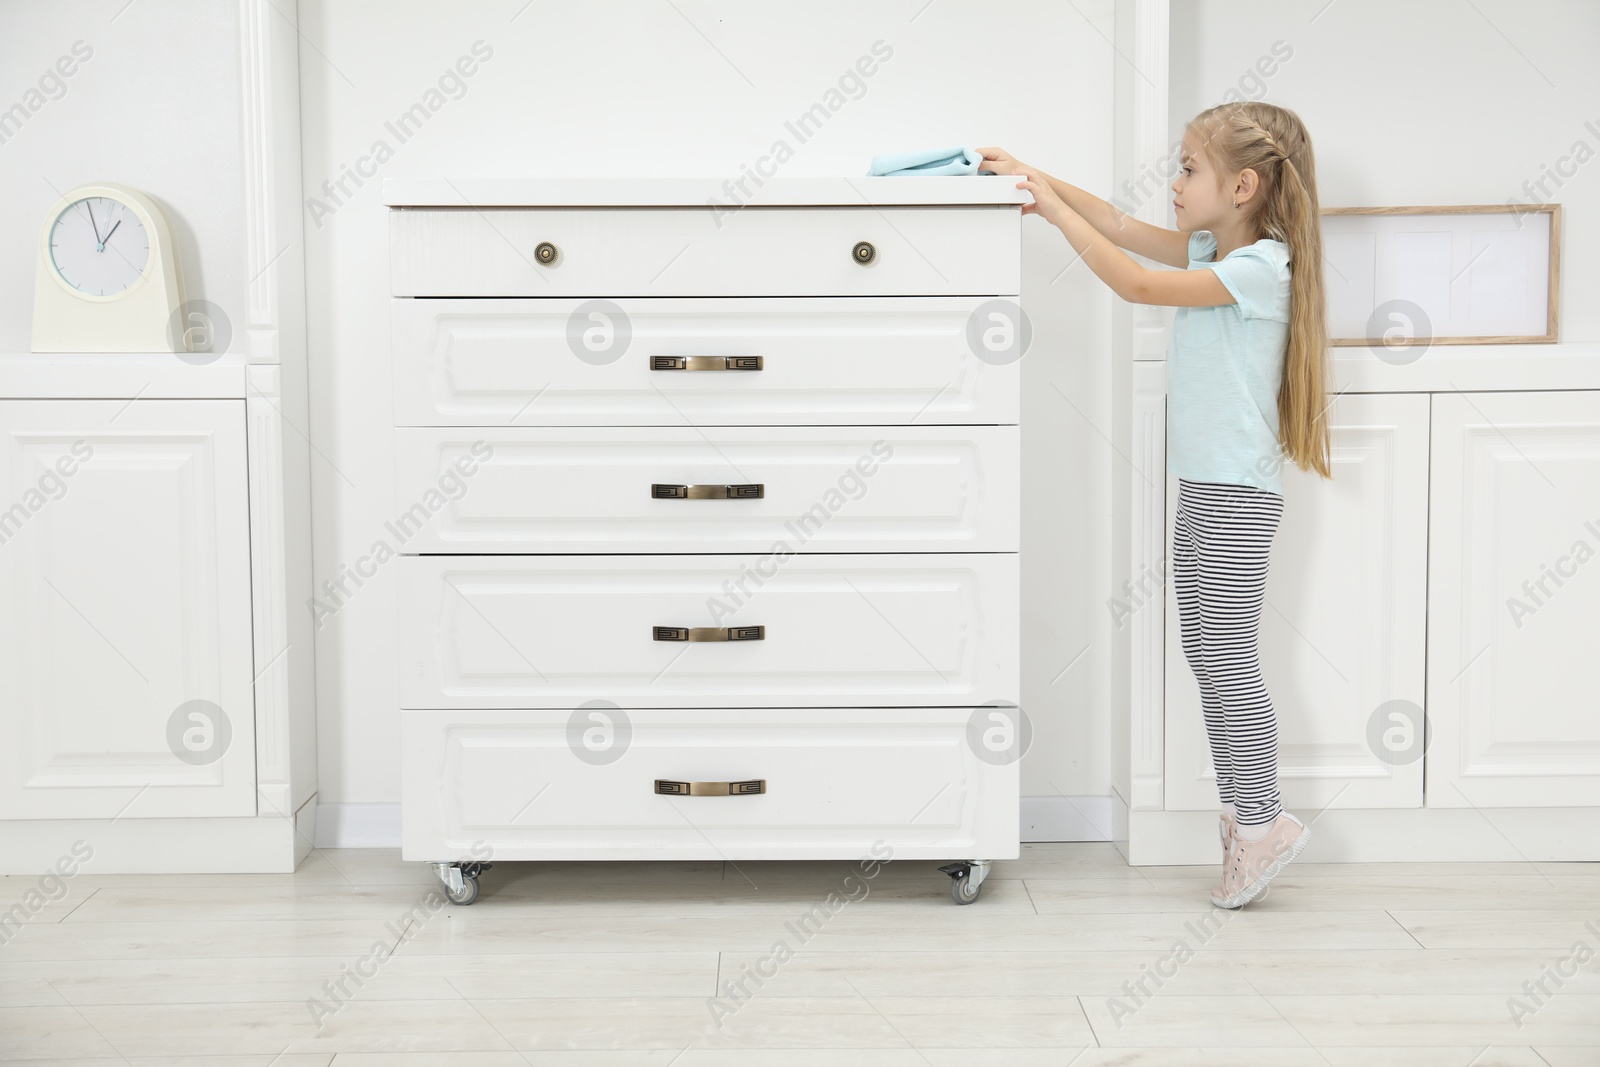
(1153, 242)
(1129, 280)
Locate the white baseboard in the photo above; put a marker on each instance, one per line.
(1051, 818)
(358, 826)
(268, 844)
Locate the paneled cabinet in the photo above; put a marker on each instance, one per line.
(1427, 638)
(1514, 594)
(125, 641)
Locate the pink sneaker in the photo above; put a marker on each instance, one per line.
(1253, 864)
(1225, 828)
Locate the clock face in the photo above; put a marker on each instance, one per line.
(99, 246)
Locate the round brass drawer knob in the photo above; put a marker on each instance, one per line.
(864, 253)
(545, 253)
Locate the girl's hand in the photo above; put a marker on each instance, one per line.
(1046, 204)
(999, 161)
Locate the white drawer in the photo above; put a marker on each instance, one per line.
(840, 783)
(863, 361)
(605, 489)
(840, 630)
(684, 251)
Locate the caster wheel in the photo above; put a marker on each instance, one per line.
(460, 880)
(966, 880)
(962, 891)
(468, 893)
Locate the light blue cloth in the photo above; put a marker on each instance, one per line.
(1224, 369)
(930, 161)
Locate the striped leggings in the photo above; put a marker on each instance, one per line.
(1221, 539)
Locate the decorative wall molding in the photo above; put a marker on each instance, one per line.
(1147, 523)
(1142, 174)
(272, 335)
(269, 605)
(263, 127)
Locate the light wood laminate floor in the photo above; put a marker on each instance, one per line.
(631, 965)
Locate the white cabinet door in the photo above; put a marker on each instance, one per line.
(125, 580)
(1344, 627)
(1514, 598)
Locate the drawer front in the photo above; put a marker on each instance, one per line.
(839, 783)
(800, 251)
(738, 489)
(561, 363)
(839, 630)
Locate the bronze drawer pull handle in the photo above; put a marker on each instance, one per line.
(864, 252)
(670, 788)
(708, 633)
(546, 253)
(706, 362)
(748, 491)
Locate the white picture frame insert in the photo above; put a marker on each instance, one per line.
(1470, 274)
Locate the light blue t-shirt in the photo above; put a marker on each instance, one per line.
(1225, 367)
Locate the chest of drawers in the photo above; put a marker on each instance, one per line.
(709, 521)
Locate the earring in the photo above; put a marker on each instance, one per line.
(1236, 203)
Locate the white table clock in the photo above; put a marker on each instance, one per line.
(107, 277)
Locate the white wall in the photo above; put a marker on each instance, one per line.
(1423, 103)
(155, 106)
(700, 88)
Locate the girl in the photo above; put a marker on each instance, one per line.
(1246, 383)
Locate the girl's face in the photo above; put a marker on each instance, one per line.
(1200, 203)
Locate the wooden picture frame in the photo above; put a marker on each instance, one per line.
(1461, 238)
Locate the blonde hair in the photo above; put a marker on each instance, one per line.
(1273, 142)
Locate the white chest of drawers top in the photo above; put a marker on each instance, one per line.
(743, 474)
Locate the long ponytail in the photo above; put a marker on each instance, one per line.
(1274, 143)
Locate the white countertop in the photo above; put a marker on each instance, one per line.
(119, 376)
(1469, 368)
(704, 192)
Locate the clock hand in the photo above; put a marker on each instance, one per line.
(101, 247)
(108, 235)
